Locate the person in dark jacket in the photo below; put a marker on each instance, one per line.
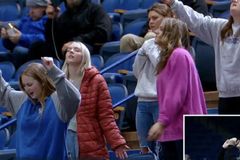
(81, 21)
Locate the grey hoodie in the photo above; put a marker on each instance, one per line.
(227, 54)
(144, 69)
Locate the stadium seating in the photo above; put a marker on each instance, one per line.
(97, 61)
(9, 11)
(220, 9)
(205, 63)
(118, 92)
(7, 69)
(4, 137)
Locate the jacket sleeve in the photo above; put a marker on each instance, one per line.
(154, 56)
(10, 98)
(205, 27)
(106, 116)
(27, 39)
(172, 89)
(37, 31)
(139, 61)
(66, 97)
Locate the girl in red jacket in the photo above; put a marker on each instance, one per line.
(95, 125)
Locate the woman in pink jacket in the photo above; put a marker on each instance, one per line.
(179, 88)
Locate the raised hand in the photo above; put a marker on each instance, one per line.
(47, 62)
(52, 12)
(65, 46)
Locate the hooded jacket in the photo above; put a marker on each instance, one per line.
(95, 118)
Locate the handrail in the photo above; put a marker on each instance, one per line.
(8, 123)
(13, 120)
(130, 55)
(123, 100)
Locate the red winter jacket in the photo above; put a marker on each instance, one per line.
(95, 118)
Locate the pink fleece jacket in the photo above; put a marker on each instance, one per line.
(179, 93)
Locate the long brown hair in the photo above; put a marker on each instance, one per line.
(174, 33)
(38, 72)
(227, 29)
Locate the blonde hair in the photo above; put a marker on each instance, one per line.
(85, 62)
(38, 72)
(174, 34)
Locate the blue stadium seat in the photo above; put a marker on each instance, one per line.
(97, 61)
(9, 151)
(3, 50)
(7, 69)
(134, 155)
(109, 49)
(4, 137)
(9, 11)
(212, 110)
(132, 15)
(129, 4)
(147, 3)
(205, 63)
(127, 65)
(117, 31)
(135, 27)
(148, 156)
(110, 5)
(118, 92)
(113, 77)
(220, 8)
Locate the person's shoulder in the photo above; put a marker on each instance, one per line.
(93, 73)
(180, 53)
(149, 42)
